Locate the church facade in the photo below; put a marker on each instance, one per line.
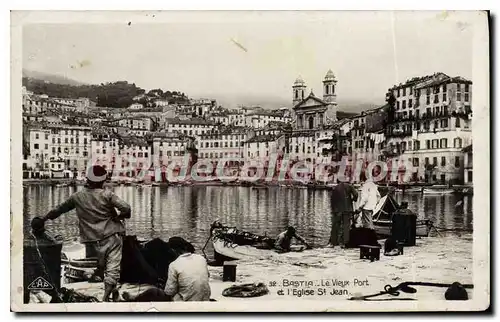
(311, 112)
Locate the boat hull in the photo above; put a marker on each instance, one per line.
(224, 251)
(428, 191)
(383, 229)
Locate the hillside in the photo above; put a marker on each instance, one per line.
(117, 94)
(51, 78)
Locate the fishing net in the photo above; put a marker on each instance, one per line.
(72, 296)
(232, 235)
(246, 290)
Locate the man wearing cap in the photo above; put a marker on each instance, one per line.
(100, 224)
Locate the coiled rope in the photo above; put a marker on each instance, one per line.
(406, 288)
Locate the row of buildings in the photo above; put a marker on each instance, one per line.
(423, 132)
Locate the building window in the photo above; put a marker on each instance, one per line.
(46, 146)
(399, 92)
(457, 143)
(444, 143)
(457, 162)
(36, 146)
(426, 161)
(436, 98)
(443, 161)
(415, 162)
(46, 136)
(459, 96)
(444, 97)
(444, 123)
(435, 161)
(435, 144)
(427, 144)
(404, 105)
(397, 105)
(416, 145)
(410, 103)
(466, 88)
(466, 97)
(457, 122)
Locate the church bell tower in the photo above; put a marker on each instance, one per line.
(329, 87)
(299, 91)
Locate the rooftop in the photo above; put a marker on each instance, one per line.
(192, 121)
(263, 138)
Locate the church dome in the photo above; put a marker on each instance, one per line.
(299, 82)
(329, 75)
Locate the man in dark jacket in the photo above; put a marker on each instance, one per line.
(342, 196)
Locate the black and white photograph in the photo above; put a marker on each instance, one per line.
(250, 161)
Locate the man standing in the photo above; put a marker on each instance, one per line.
(369, 199)
(100, 225)
(342, 198)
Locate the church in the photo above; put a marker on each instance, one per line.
(311, 112)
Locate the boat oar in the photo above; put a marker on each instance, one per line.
(435, 228)
(206, 243)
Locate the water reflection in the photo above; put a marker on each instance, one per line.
(189, 211)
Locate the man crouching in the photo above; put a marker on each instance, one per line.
(100, 225)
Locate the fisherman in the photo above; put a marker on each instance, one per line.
(100, 225)
(188, 278)
(369, 199)
(343, 196)
(283, 241)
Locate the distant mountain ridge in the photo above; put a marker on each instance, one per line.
(51, 78)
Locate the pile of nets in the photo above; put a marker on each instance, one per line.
(246, 290)
(239, 237)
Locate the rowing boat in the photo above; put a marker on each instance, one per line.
(382, 218)
(232, 244)
(432, 191)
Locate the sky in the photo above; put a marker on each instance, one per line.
(254, 57)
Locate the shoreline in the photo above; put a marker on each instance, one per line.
(257, 185)
(428, 261)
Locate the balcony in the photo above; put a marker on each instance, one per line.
(399, 133)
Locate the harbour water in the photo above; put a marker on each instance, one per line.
(189, 211)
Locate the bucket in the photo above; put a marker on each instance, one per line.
(404, 228)
(229, 272)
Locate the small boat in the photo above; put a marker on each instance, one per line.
(410, 190)
(382, 218)
(232, 244)
(434, 191)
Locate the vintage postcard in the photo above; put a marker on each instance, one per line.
(250, 161)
